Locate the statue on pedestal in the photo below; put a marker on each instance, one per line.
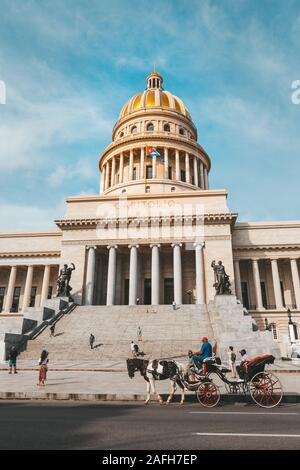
(222, 283)
(63, 282)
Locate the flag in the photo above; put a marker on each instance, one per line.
(152, 152)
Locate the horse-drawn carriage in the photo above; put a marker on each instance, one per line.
(263, 386)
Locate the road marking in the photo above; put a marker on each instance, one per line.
(241, 413)
(237, 434)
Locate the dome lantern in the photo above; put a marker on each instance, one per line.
(154, 80)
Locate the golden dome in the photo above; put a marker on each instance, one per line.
(154, 97)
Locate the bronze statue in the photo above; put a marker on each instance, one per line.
(63, 282)
(222, 283)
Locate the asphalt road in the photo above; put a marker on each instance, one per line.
(78, 425)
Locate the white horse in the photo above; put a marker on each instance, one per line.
(158, 370)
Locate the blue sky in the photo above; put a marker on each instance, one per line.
(69, 66)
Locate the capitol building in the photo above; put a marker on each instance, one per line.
(152, 233)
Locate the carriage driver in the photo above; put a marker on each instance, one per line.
(198, 357)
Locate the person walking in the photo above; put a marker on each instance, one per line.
(174, 305)
(92, 340)
(52, 331)
(232, 361)
(43, 367)
(12, 357)
(139, 334)
(134, 349)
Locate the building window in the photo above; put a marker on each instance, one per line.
(147, 189)
(170, 172)
(182, 175)
(264, 294)
(181, 131)
(134, 173)
(148, 172)
(245, 295)
(134, 130)
(150, 127)
(50, 289)
(167, 127)
(121, 134)
(123, 191)
(2, 292)
(173, 188)
(32, 296)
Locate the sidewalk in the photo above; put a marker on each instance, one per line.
(109, 381)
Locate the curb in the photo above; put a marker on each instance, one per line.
(226, 398)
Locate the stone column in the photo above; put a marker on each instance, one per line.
(106, 175)
(111, 275)
(121, 167)
(177, 272)
(133, 274)
(296, 282)
(153, 167)
(187, 168)
(27, 290)
(202, 182)
(102, 180)
(276, 285)
(196, 180)
(142, 163)
(200, 292)
(237, 278)
(130, 176)
(166, 158)
(45, 285)
(155, 274)
(206, 178)
(90, 275)
(257, 287)
(177, 165)
(10, 288)
(113, 171)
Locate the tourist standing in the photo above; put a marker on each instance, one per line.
(174, 305)
(12, 357)
(92, 340)
(43, 367)
(232, 361)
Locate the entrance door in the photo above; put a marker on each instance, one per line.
(126, 292)
(16, 300)
(147, 291)
(168, 291)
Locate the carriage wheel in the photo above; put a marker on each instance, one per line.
(266, 390)
(208, 394)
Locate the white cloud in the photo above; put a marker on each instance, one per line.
(83, 169)
(29, 217)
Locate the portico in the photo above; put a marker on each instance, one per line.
(153, 273)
